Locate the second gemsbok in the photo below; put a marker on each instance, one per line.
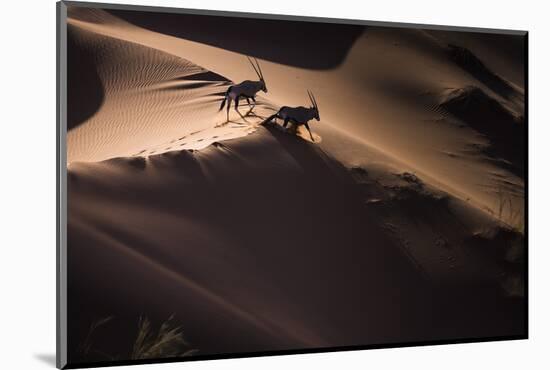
(298, 115)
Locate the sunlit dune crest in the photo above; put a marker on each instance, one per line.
(166, 103)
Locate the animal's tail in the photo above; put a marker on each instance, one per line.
(270, 118)
(223, 103)
(224, 99)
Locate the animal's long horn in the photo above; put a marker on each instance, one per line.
(259, 69)
(314, 101)
(311, 98)
(253, 66)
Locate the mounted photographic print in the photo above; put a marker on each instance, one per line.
(234, 184)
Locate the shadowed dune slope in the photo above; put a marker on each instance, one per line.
(505, 130)
(286, 42)
(503, 54)
(84, 89)
(267, 241)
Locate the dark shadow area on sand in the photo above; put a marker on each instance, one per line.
(504, 130)
(473, 65)
(84, 88)
(253, 248)
(502, 55)
(443, 309)
(300, 44)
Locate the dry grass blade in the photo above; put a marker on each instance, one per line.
(168, 342)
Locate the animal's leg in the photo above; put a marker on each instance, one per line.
(252, 107)
(228, 106)
(310, 135)
(248, 102)
(237, 108)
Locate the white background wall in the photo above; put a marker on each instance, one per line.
(27, 172)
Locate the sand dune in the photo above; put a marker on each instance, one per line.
(152, 102)
(288, 280)
(402, 222)
(369, 103)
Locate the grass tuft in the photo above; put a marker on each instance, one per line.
(167, 342)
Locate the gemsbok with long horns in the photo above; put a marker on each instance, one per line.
(298, 115)
(246, 89)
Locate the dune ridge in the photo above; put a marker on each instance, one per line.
(440, 142)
